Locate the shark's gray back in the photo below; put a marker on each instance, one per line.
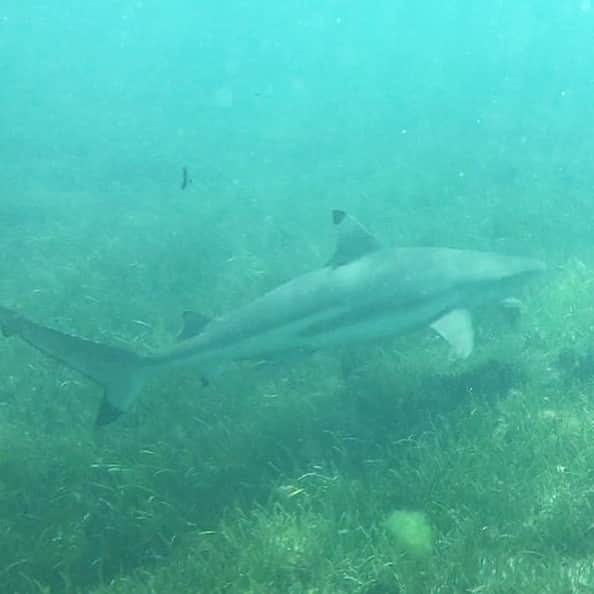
(408, 286)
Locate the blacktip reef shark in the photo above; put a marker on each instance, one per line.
(364, 292)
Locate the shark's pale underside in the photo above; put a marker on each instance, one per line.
(364, 292)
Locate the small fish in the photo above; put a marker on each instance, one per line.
(186, 179)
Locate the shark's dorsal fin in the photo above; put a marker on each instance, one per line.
(353, 240)
(193, 324)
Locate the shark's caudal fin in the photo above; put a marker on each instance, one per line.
(120, 372)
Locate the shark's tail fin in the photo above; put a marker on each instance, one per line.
(120, 372)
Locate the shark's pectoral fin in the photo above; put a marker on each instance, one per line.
(456, 328)
(353, 240)
(193, 324)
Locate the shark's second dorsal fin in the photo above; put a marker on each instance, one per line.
(193, 324)
(353, 240)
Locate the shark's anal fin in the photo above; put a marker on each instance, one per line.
(193, 324)
(107, 413)
(9, 322)
(119, 371)
(513, 309)
(456, 328)
(353, 240)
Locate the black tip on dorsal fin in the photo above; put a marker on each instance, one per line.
(193, 324)
(353, 241)
(338, 216)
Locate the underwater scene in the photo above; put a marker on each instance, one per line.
(297, 297)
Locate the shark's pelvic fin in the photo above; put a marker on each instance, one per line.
(120, 372)
(193, 324)
(456, 328)
(353, 240)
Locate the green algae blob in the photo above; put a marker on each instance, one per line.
(412, 532)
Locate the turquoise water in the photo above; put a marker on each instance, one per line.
(456, 124)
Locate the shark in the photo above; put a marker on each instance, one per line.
(364, 292)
